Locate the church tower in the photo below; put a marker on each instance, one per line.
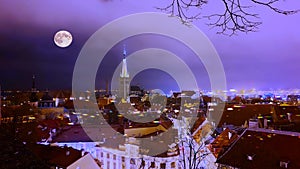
(124, 78)
(33, 96)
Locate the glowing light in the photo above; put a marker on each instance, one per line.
(238, 106)
(232, 90)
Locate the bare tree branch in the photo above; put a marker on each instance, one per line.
(234, 19)
(180, 9)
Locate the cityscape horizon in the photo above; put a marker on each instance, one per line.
(175, 84)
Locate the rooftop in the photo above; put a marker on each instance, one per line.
(262, 148)
(223, 141)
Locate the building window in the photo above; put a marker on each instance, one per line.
(163, 165)
(101, 154)
(107, 156)
(123, 159)
(114, 157)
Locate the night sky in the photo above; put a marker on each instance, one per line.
(266, 59)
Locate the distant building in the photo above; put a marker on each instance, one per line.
(115, 151)
(126, 155)
(46, 101)
(136, 91)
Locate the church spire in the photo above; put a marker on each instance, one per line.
(33, 89)
(124, 72)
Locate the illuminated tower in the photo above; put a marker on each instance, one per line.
(124, 78)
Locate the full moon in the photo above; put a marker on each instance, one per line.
(63, 38)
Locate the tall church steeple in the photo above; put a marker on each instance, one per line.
(124, 78)
(124, 72)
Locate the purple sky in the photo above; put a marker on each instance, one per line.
(267, 59)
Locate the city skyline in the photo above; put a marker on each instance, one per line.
(257, 60)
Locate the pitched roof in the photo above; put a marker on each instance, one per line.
(72, 134)
(197, 124)
(238, 114)
(47, 97)
(223, 141)
(92, 133)
(261, 148)
(62, 157)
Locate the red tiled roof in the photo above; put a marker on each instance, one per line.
(61, 157)
(197, 124)
(222, 142)
(267, 149)
(241, 113)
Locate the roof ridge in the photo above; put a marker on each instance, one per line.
(232, 145)
(281, 132)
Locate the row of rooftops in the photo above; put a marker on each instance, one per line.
(238, 114)
(18, 152)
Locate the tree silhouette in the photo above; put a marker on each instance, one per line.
(235, 18)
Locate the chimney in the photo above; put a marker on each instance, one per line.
(82, 152)
(229, 135)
